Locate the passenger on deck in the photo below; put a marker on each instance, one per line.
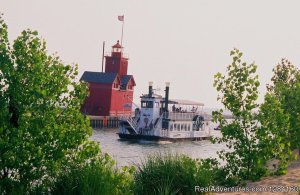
(193, 109)
(173, 108)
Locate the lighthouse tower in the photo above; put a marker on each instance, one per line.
(116, 62)
(110, 92)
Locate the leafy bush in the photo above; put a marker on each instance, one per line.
(99, 177)
(173, 174)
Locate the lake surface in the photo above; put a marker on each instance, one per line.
(129, 152)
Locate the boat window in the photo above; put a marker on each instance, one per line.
(147, 104)
(175, 127)
(171, 127)
(189, 127)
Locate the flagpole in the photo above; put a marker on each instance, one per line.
(122, 32)
(103, 54)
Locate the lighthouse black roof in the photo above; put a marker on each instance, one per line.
(125, 79)
(104, 77)
(98, 77)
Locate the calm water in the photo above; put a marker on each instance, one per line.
(129, 152)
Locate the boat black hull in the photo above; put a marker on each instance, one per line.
(157, 138)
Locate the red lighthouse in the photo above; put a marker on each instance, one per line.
(110, 92)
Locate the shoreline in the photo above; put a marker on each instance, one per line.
(284, 184)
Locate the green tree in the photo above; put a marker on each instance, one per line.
(238, 91)
(274, 133)
(41, 128)
(286, 88)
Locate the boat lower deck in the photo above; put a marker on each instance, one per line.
(157, 138)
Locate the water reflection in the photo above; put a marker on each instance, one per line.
(126, 152)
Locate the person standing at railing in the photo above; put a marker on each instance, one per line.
(173, 108)
(193, 109)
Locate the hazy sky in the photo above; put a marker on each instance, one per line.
(183, 42)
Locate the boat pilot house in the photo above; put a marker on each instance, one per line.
(110, 92)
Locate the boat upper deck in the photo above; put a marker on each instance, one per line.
(180, 116)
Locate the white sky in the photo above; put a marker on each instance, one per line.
(184, 42)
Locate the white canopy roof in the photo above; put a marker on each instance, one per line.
(185, 102)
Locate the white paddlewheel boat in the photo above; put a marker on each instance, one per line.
(164, 119)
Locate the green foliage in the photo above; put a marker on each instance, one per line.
(41, 128)
(168, 174)
(224, 177)
(99, 177)
(210, 171)
(285, 88)
(274, 133)
(238, 91)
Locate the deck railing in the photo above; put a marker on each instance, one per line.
(131, 119)
(183, 116)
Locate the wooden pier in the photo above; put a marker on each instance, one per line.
(102, 122)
